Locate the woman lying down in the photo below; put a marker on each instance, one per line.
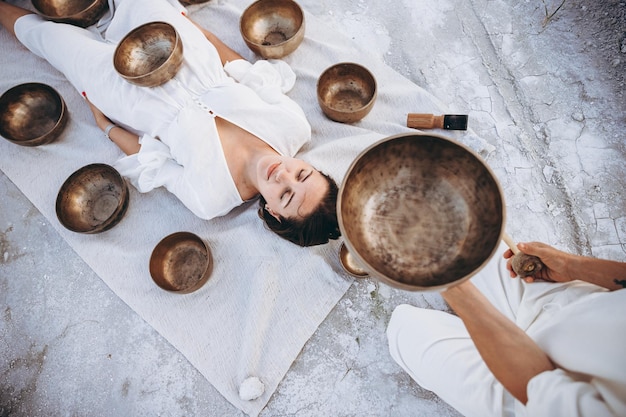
(220, 133)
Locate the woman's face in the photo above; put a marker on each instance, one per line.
(291, 187)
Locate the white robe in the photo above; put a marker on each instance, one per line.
(180, 146)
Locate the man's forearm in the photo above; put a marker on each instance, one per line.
(511, 355)
(605, 273)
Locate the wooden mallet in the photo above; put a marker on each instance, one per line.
(523, 264)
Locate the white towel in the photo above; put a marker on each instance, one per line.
(266, 296)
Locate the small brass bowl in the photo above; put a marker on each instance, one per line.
(349, 264)
(93, 199)
(272, 28)
(32, 114)
(81, 13)
(149, 55)
(346, 92)
(181, 263)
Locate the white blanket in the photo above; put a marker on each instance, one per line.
(266, 296)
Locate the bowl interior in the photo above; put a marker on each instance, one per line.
(63, 8)
(420, 212)
(93, 199)
(271, 22)
(346, 87)
(29, 112)
(145, 49)
(181, 262)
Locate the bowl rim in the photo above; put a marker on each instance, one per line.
(366, 265)
(115, 217)
(177, 44)
(61, 120)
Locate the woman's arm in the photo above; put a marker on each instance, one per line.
(511, 355)
(9, 15)
(128, 142)
(225, 52)
(563, 267)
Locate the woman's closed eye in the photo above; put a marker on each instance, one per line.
(304, 174)
(286, 197)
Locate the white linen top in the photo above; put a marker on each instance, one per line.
(587, 341)
(180, 145)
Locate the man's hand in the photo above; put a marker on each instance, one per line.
(561, 266)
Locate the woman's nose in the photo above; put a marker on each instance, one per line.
(282, 175)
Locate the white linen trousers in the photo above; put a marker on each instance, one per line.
(581, 327)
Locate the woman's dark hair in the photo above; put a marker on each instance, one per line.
(315, 229)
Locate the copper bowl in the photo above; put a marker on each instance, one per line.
(81, 13)
(272, 28)
(420, 212)
(93, 199)
(346, 92)
(181, 263)
(149, 55)
(349, 264)
(32, 114)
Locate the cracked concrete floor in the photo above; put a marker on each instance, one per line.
(548, 94)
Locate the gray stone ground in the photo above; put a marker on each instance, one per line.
(549, 95)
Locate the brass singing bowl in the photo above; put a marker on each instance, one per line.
(346, 92)
(32, 114)
(92, 200)
(349, 264)
(181, 263)
(272, 28)
(81, 13)
(420, 212)
(149, 55)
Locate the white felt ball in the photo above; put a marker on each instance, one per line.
(251, 389)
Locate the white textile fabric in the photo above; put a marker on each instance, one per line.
(181, 149)
(580, 326)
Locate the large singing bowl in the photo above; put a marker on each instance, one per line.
(420, 212)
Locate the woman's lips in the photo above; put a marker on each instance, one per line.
(271, 170)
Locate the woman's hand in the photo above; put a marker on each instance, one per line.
(128, 142)
(101, 120)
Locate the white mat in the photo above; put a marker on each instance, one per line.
(266, 296)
